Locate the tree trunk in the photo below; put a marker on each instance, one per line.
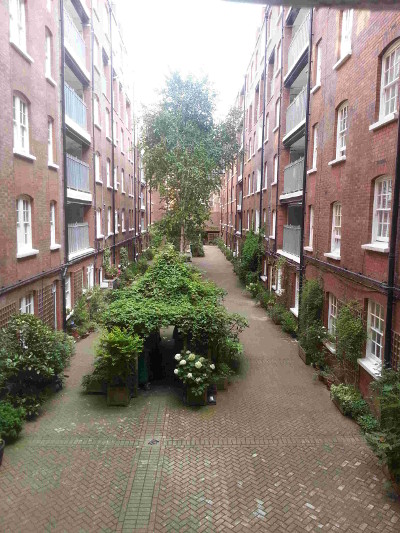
(182, 244)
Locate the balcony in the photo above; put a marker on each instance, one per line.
(295, 117)
(78, 184)
(78, 240)
(293, 178)
(291, 243)
(76, 114)
(75, 46)
(297, 52)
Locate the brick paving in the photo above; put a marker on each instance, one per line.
(273, 455)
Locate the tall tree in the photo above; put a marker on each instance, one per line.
(186, 151)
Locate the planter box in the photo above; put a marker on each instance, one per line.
(304, 356)
(195, 400)
(97, 387)
(2, 444)
(118, 395)
(338, 405)
(221, 383)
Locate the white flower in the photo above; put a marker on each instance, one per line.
(190, 375)
(191, 357)
(178, 357)
(212, 367)
(188, 351)
(176, 371)
(201, 359)
(183, 362)
(198, 380)
(198, 364)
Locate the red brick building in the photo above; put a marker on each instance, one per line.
(338, 229)
(70, 173)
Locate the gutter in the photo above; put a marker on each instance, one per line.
(112, 133)
(263, 120)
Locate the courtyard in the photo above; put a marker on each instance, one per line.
(273, 455)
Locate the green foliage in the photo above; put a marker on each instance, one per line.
(266, 298)
(96, 304)
(11, 421)
(289, 323)
(123, 258)
(197, 249)
(148, 254)
(194, 370)
(110, 270)
(276, 313)
(223, 370)
(250, 257)
(80, 320)
(350, 400)
(312, 333)
(254, 289)
(368, 423)
(351, 334)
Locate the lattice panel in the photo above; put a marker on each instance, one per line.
(46, 306)
(6, 313)
(395, 350)
(78, 281)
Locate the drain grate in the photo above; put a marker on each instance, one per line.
(153, 441)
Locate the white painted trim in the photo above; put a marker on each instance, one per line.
(51, 81)
(341, 61)
(292, 257)
(315, 88)
(55, 247)
(79, 253)
(335, 257)
(53, 166)
(295, 311)
(24, 155)
(311, 171)
(27, 253)
(308, 248)
(78, 129)
(79, 195)
(384, 121)
(381, 247)
(297, 127)
(23, 53)
(337, 160)
(373, 368)
(289, 195)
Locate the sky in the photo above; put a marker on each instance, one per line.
(206, 37)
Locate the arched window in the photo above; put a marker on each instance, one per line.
(21, 124)
(97, 173)
(50, 143)
(389, 81)
(342, 126)
(24, 227)
(123, 220)
(48, 53)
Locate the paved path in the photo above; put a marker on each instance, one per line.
(274, 455)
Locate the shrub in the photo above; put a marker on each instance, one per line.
(142, 265)
(368, 423)
(254, 289)
(80, 320)
(195, 371)
(148, 254)
(289, 323)
(351, 335)
(350, 400)
(197, 249)
(123, 258)
(110, 270)
(276, 313)
(96, 304)
(312, 333)
(266, 298)
(11, 421)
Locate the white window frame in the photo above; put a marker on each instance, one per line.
(108, 172)
(122, 180)
(122, 140)
(115, 178)
(279, 281)
(90, 277)
(257, 221)
(48, 54)
(375, 332)
(267, 128)
(258, 186)
(277, 112)
(275, 169)
(52, 223)
(345, 32)
(27, 304)
(332, 314)
(99, 223)
(123, 220)
(96, 52)
(21, 124)
(24, 225)
(18, 23)
(96, 110)
(97, 173)
(273, 223)
(311, 229)
(278, 58)
(107, 123)
(68, 303)
(336, 236)
(315, 146)
(116, 221)
(50, 146)
(382, 209)
(390, 81)
(318, 70)
(342, 129)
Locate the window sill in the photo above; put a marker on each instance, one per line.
(123, 192)
(315, 88)
(24, 54)
(275, 129)
(109, 235)
(99, 182)
(274, 183)
(100, 236)
(55, 247)
(381, 247)
(108, 138)
(27, 253)
(24, 155)
(276, 74)
(330, 347)
(295, 311)
(308, 248)
(123, 153)
(109, 187)
(123, 231)
(53, 166)
(341, 61)
(330, 255)
(338, 160)
(97, 126)
(311, 171)
(51, 81)
(374, 368)
(272, 237)
(384, 121)
(263, 278)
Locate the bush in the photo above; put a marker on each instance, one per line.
(312, 332)
(350, 400)
(276, 313)
(195, 371)
(254, 289)
(80, 320)
(142, 265)
(289, 323)
(351, 335)
(148, 254)
(123, 258)
(96, 304)
(266, 298)
(368, 423)
(197, 249)
(11, 421)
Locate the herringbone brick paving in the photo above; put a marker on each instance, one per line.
(273, 455)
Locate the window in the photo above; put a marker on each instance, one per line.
(108, 172)
(122, 180)
(96, 53)
(254, 142)
(249, 185)
(90, 277)
(332, 314)
(345, 34)
(265, 175)
(68, 292)
(107, 123)
(389, 81)
(315, 146)
(273, 225)
(52, 224)
(48, 5)
(382, 207)
(26, 305)
(342, 127)
(99, 225)
(266, 128)
(97, 173)
(109, 221)
(116, 221)
(116, 178)
(295, 309)
(318, 53)
(248, 220)
(311, 231)
(258, 180)
(48, 55)
(123, 219)
(275, 169)
(21, 127)
(279, 281)
(96, 106)
(278, 58)
(336, 228)
(277, 112)
(115, 132)
(249, 148)
(17, 23)
(376, 324)
(24, 225)
(50, 147)
(257, 224)
(122, 140)
(106, 21)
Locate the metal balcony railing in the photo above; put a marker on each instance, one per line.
(296, 111)
(78, 237)
(73, 38)
(299, 43)
(291, 240)
(77, 174)
(75, 107)
(293, 177)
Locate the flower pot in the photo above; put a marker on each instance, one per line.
(2, 445)
(302, 354)
(221, 383)
(118, 395)
(195, 399)
(96, 387)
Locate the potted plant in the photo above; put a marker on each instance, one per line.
(115, 357)
(11, 421)
(195, 372)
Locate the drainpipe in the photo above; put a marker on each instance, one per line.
(112, 134)
(303, 210)
(134, 188)
(263, 120)
(93, 149)
(63, 129)
(243, 151)
(392, 258)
